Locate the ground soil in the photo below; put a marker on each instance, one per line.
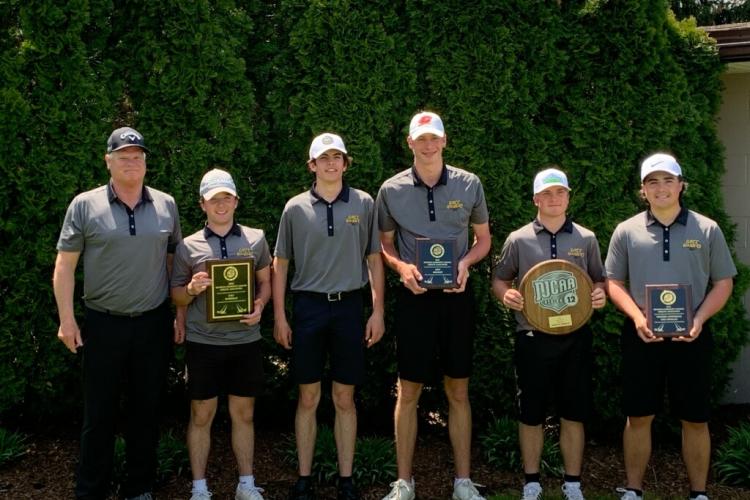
(46, 470)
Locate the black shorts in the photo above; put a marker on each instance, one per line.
(224, 369)
(553, 369)
(683, 368)
(322, 328)
(434, 335)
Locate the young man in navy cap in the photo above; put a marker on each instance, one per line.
(667, 244)
(550, 366)
(435, 328)
(330, 234)
(126, 233)
(221, 357)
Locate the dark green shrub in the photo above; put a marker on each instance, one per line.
(732, 462)
(12, 446)
(374, 458)
(172, 457)
(499, 445)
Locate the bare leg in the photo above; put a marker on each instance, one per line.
(345, 426)
(696, 452)
(306, 425)
(405, 418)
(572, 442)
(459, 423)
(243, 432)
(199, 435)
(531, 440)
(636, 443)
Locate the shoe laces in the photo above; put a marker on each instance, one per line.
(397, 487)
(470, 487)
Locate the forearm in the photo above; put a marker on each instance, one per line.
(499, 287)
(715, 300)
(278, 286)
(63, 285)
(377, 282)
(621, 298)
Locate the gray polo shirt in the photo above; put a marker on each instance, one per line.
(414, 210)
(532, 244)
(124, 251)
(190, 258)
(328, 242)
(692, 250)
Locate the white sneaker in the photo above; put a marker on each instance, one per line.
(628, 494)
(572, 491)
(201, 495)
(532, 491)
(248, 493)
(402, 490)
(701, 497)
(464, 489)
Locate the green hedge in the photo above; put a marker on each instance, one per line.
(592, 86)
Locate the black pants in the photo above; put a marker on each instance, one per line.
(122, 355)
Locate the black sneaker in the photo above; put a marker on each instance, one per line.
(347, 491)
(302, 490)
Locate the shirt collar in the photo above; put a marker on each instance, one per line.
(112, 195)
(681, 217)
(441, 182)
(343, 194)
(567, 226)
(235, 230)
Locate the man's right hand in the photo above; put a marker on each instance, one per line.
(513, 299)
(410, 277)
(70, 335)
(641, 326)
(282, 333)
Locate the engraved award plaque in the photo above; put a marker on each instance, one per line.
(669, 309)
(436, 262)
(232, 291)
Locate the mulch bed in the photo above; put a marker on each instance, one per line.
(46, 470)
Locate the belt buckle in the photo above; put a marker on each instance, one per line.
(333, 297)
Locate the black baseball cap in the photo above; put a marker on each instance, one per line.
(125, 137)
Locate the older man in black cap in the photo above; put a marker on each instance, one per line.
(126, 233)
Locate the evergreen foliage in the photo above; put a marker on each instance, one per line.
(591, 86)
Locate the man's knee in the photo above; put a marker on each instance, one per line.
(343, 398)
(408, 392)
(241, 410)
(309, 397)
(457, 391)
(640, 423)
(202, 412)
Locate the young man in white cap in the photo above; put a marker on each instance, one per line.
(126, 233)
(667, 244)
(330, 234)
(556, 367)
(435, 328)
(221, 357)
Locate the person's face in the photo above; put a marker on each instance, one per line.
(220, 209)
(552, 202)
(329, 166)
(662, 190)
(427, 148)
(127, 165)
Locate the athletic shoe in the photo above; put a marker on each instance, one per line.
(402, 490)
(248, 493)
(700, 497)
(302, 490)
(201, 495)
(572, 491)
(629, 494)
(464, 489)
(532, 491)
(347, 491)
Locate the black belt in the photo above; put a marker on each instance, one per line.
(330, 297)
(123, 314)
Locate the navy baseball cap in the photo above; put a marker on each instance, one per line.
(123, 138)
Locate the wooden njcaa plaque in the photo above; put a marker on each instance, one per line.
(232, 291)
(669, 312)
(556, 296)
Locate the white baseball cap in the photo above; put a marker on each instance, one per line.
(426, 123)
(660, 162)
(324, 142)
(217, 181)
(549, 178)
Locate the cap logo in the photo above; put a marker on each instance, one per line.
(132, 136)
(551, 179)
(424, 120)
(327, 140)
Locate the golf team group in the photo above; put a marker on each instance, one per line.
(339, 240)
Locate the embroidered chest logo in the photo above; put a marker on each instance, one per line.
(244, 252)
(455, 204)
(692, 244)
(575, 252)
(352, 219)
(555, 290)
